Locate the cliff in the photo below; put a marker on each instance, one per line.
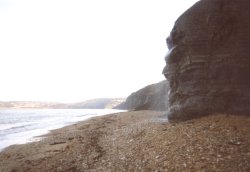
(151, 97)
(208, 60)
(101, 103)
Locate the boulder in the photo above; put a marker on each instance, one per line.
(151, 97)
(208, 63)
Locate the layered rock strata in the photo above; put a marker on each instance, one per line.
(208, 63)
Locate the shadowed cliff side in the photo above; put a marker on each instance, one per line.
(208, 61)
(151, 97)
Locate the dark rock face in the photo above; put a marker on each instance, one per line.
(152, 97)
(208, 64)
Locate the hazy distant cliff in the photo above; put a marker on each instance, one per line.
(31, 104)
(152, 97)
(102, 103)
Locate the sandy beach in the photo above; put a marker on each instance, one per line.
(137, 141)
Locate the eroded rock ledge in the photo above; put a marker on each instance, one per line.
(208, 64)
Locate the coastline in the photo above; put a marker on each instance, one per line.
(137, 141)
(23, 125)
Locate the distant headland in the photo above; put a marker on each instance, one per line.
(101, 103)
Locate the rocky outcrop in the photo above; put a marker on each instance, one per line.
(151, 97)
(208, 64)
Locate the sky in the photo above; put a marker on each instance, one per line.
(74, 50)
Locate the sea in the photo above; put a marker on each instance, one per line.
(20, 126)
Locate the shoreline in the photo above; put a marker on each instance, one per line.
(30, 128)
(137, 141)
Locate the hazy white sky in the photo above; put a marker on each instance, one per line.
(72, 50)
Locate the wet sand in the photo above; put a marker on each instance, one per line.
(137, 141)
